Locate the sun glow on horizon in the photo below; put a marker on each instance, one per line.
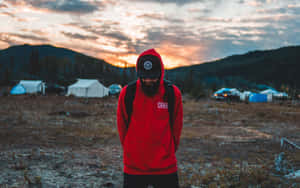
(183, 32)
(175, 56)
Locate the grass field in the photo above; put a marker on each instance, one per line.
(51, 141)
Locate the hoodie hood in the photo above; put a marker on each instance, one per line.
(154, 53)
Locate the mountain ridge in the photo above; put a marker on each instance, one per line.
(274, 67)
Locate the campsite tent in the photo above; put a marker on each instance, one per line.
(233, 91)
(87, 88)
(33, 86)
(256, 97)
(272, 92)
(229, 91)
(114, 89)
(18, 90)
(269, 92)
(281, 94)
(244, 96)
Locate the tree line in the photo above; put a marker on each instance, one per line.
(64, 70)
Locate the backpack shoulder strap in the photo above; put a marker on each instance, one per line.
(129, 97)
(171, 100)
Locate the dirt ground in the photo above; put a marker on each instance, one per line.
(52, 141)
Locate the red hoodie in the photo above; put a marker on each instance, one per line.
(149, 144)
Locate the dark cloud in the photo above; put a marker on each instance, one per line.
(66, 6)
(288, 34)
(8, 39)
(200, 10)
(161, 17)
(15, 38)
(214, 19)
(282, 10)
(108, 30)
(75, 6)
(8, 14)
(152, 16)
(39, 32)
(295, 10)
(12, 15)
(79, 36)
(116, 35)
(285, 10)
(3, 5)
(175, 35)
(30, 37)
(268, 19)
(139, 46)
(261, 1)
(177, 2)
(105, 30)
(35, 32)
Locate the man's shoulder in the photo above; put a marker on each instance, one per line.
(123, 92)
(177, 91)
(131, 87)
(131, 84)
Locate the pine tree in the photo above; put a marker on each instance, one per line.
(11, 67)
(34, 62)
(124, 76)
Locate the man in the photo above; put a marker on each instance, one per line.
(148, 135)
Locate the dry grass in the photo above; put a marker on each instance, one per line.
(222, 144)
(238, 142)
(57, 118)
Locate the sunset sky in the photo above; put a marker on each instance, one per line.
(184, 32)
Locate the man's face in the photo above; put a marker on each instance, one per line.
(149, 81)
(150, 85)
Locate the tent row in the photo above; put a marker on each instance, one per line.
(29, 87)
(81, 88)
(87, 88)
(233, 94)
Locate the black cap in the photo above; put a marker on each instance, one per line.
(149, 67)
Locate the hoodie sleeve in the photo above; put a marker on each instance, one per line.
(178, 117)
(122, 116)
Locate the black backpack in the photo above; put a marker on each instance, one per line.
(169, 96)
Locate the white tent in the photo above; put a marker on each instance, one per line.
(87, 88)
(33, 86)
(269, 92)
(245, 95)
(235, 91)
(282, 94)
(274, 93)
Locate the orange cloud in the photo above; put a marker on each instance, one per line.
(174, 55)
(7, 14)
(119, 60)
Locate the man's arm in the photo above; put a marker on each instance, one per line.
(178, 117)
(122, 116)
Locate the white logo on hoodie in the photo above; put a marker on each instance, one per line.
(162, 105)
